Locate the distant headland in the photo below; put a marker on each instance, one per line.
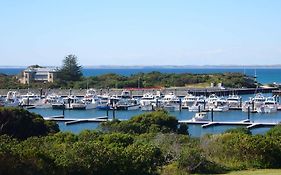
(275, 66)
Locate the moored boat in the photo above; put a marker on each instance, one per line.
(200, 116)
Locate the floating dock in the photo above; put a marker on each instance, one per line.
(247, 123)
(70, 121)
(204, 124)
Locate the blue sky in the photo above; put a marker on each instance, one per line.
(141, 32)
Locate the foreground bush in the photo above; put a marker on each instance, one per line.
(107, 154)
(158, 121)
(21, 124)
(240, 150)
(147, 144)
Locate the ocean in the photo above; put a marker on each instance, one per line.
(263, 76)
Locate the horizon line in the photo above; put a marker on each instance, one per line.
(163, 66)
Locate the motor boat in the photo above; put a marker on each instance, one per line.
(148, 102)
(30, 99)
(188, 101)
(104, 102)
(90, 100)
(199, 105)
(171, 102)
(48, 101)
(69, 102)
(12, 99)
(255, 104)
(218, 104)
(270, 106)
(127, 104)
(234, 101)
(258, 100)
(200, 116)
(125, 94)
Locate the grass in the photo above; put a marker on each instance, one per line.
(256, 172)
(198, 85)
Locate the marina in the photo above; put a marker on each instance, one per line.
(79, 109)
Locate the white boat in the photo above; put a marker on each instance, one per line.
(171, 102)
(217, 104)
(70, 102)
(258, 100)
(255, 104)
(90, 93)
(200, 116)
(248, 105)
(188, 101)
(212, 99)
(104, 102)
(113, 100)
(127, 104)
(270, 106)
(234, 101)
(29, 99)
(148, 102)
(125, 94)
(48, 101)
(12, 99)
(90, 100)
(199, 105)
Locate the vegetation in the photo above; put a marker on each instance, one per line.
(146, 144)
(70, 76)
(70, 70)
(145, 80)
(156, 122)
(157, 79)
(10, 82)
(257, 172)
(22, 124)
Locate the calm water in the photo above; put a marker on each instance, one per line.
(264, 76)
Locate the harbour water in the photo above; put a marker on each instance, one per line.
(194, 130)
(264, 76)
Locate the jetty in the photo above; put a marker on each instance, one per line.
(247, 123)
(70, 121)
(204, 124)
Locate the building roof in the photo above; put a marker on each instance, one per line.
(38, 70)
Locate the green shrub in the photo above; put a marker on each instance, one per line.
(21, 124)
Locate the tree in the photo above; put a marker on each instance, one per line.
(70, 70)
(153, 122)
(21, 124)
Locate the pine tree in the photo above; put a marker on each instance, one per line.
(70, 70)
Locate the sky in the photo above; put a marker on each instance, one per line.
(140, 32)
